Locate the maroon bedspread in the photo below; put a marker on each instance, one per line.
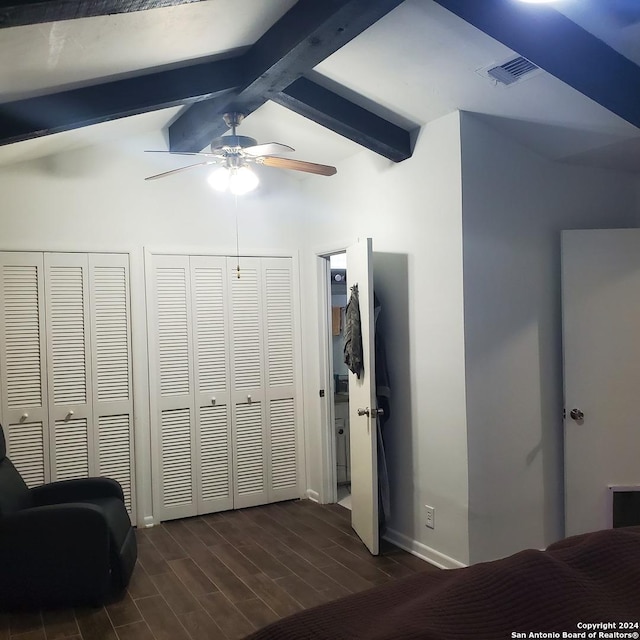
(592, 578)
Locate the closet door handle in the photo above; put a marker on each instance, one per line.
(24, 416)
(69, 415)
(249, 398)
(213, 400)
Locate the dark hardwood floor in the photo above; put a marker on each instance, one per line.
(219, 577)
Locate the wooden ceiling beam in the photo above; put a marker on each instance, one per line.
(33, 117)
(18, 14)
(350, 120)
(307, 34)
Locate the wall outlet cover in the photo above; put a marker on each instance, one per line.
(430, 516)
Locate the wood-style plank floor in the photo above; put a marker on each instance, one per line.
(219, 577)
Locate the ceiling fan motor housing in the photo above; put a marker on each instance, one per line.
(232, 144)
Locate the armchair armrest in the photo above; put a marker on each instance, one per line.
(76, 490)
(54, 553)
(47, 523)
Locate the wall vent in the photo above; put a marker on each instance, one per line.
(510, 71)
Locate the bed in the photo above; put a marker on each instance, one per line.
(591, 579)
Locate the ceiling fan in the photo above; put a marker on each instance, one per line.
(235, 153)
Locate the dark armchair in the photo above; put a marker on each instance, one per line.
(68, 542)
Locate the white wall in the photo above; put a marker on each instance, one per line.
(514, 205)
(96, 199)
(412, 210)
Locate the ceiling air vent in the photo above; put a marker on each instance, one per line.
(511, 71)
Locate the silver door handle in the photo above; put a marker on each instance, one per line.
(370, 412)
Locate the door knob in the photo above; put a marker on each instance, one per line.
(370, 412)
(576, 415)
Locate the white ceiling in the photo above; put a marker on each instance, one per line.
(416, 64)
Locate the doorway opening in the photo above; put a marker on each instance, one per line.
(340, 377)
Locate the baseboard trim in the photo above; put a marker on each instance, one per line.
(422, 551)
(312, 495)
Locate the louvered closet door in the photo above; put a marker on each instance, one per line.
(250, 442)
(278, 319)
(172, 378)
(71, 434)
(22, 368)
(213, 462)
(111, 364)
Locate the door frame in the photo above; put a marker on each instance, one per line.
(329, 474)
(149, 253)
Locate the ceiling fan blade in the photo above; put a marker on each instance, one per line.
(298, 165)
(169, 173)
(183, 153)
(268, 149)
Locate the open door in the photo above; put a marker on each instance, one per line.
(601, 339)
(362, 403)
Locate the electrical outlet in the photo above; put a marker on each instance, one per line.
(430, 516)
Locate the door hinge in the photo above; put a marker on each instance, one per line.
(322, 393)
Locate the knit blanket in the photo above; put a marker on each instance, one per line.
(587, 584)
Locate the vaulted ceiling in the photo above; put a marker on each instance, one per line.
(368, 71)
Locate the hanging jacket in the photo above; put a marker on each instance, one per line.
(353, 356)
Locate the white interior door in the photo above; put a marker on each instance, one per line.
(23, 371)
(214, 455)
(362, 404)
(112, 396)
(280, 378)
(250, 444)
(171, 381)
(69, 365)
(601, 327)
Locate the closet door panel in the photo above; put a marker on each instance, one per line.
(172, 380)
(213, 464)
(28, 449)
(115, 453)
(177, 480)
(247, 374)
(68, 364)
(111, 362)
(22, 364)
(283, 480)
(71, 448)
(280, 373)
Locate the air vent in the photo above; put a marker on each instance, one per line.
(624, 12)
(511, 71)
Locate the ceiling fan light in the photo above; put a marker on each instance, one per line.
(219, 179)
(242, 181)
